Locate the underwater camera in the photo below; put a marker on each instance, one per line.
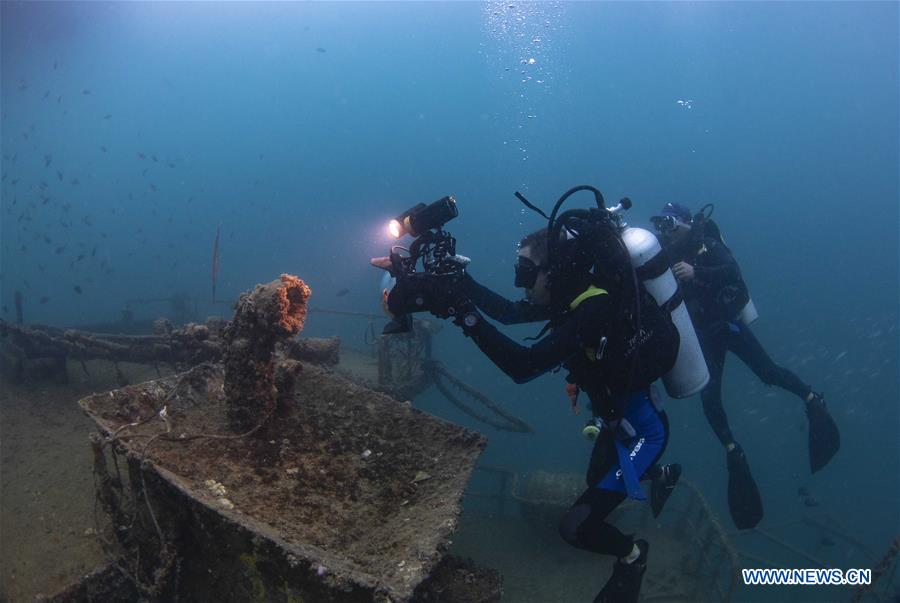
(430, 289)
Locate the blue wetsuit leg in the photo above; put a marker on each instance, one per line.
(640, 452)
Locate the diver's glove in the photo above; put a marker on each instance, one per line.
(447, 300)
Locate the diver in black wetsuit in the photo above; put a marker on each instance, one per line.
(711, 282)
(593, 335)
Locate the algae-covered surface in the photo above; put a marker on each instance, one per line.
(349, 478)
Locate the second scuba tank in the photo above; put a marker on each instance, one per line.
(749, 313)
(705, 223)
(690, 374)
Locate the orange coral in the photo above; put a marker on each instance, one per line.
(292, 299)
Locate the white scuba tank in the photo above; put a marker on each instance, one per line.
(690, 374)
(748, 313)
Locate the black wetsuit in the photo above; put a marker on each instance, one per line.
(614, 392)
(714, 299)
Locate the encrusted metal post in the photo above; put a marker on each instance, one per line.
(268, 314)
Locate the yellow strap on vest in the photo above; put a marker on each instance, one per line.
(589, 292)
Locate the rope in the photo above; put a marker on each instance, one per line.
(880, 569)
(509, 422)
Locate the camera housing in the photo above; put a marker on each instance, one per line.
(428, 289)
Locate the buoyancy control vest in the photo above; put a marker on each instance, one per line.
(735, 302)
(621, 359)
(652, 326)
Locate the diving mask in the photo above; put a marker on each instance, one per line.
(526, 273)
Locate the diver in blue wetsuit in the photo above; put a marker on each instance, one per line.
(718, 302)
(615, 341)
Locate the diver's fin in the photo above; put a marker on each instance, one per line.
(744, 501)
(824, 437)
(662, 487)
(624, 586)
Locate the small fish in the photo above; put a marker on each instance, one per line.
(802, 491)
(320, 49)
(152, 187)
(59, 99)
(342, 293)
(59, 175)
(141, 156)
(154, 158)
(810, 501)
(55, 63)
(107, 116)
(77, 289)
(47, 160)
(59, 250)
(85, 91)
(46, 94)
(102, 148)
(74, 182)
(44, 299)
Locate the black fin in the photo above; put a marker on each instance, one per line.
(744, 501)
(824, 436)
(624, 586)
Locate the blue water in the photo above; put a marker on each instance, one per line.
(131, 131)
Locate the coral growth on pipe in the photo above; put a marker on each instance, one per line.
(263, 317)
